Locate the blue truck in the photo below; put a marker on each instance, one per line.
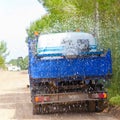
(68, 71)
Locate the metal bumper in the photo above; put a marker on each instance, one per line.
(64, 98)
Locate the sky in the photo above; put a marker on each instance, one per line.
(15, 17)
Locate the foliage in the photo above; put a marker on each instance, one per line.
(60, 18)
(21, 62)
(13, 62)
(3, 49)
(25, 63)
(2, 62)
(115, 100)
(65, 15)
(3, 53)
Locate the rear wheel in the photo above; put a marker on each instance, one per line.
(100, 106)
(36, 109)
(91, 106)
(40, 109)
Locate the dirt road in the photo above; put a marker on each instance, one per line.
(15, 102)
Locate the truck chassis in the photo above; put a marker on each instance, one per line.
(68, 96)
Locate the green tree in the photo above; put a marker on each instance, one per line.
(26, 63)
(13, 62)
(3, 53)
(21, 62)
(66, 15)
(2, 62)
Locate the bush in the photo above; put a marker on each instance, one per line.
(115, 100)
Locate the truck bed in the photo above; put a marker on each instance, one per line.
(82, 67)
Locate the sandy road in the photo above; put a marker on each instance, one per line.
(15, 102)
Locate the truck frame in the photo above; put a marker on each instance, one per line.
(68, 82)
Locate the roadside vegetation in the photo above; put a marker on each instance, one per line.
(21, 62)
(3, 54)
(115, 100)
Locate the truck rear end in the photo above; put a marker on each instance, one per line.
(67, 71)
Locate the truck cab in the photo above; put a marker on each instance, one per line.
(66, 44)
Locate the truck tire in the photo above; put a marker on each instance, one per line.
(100, 106)
(36, 109)
(91, 106)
